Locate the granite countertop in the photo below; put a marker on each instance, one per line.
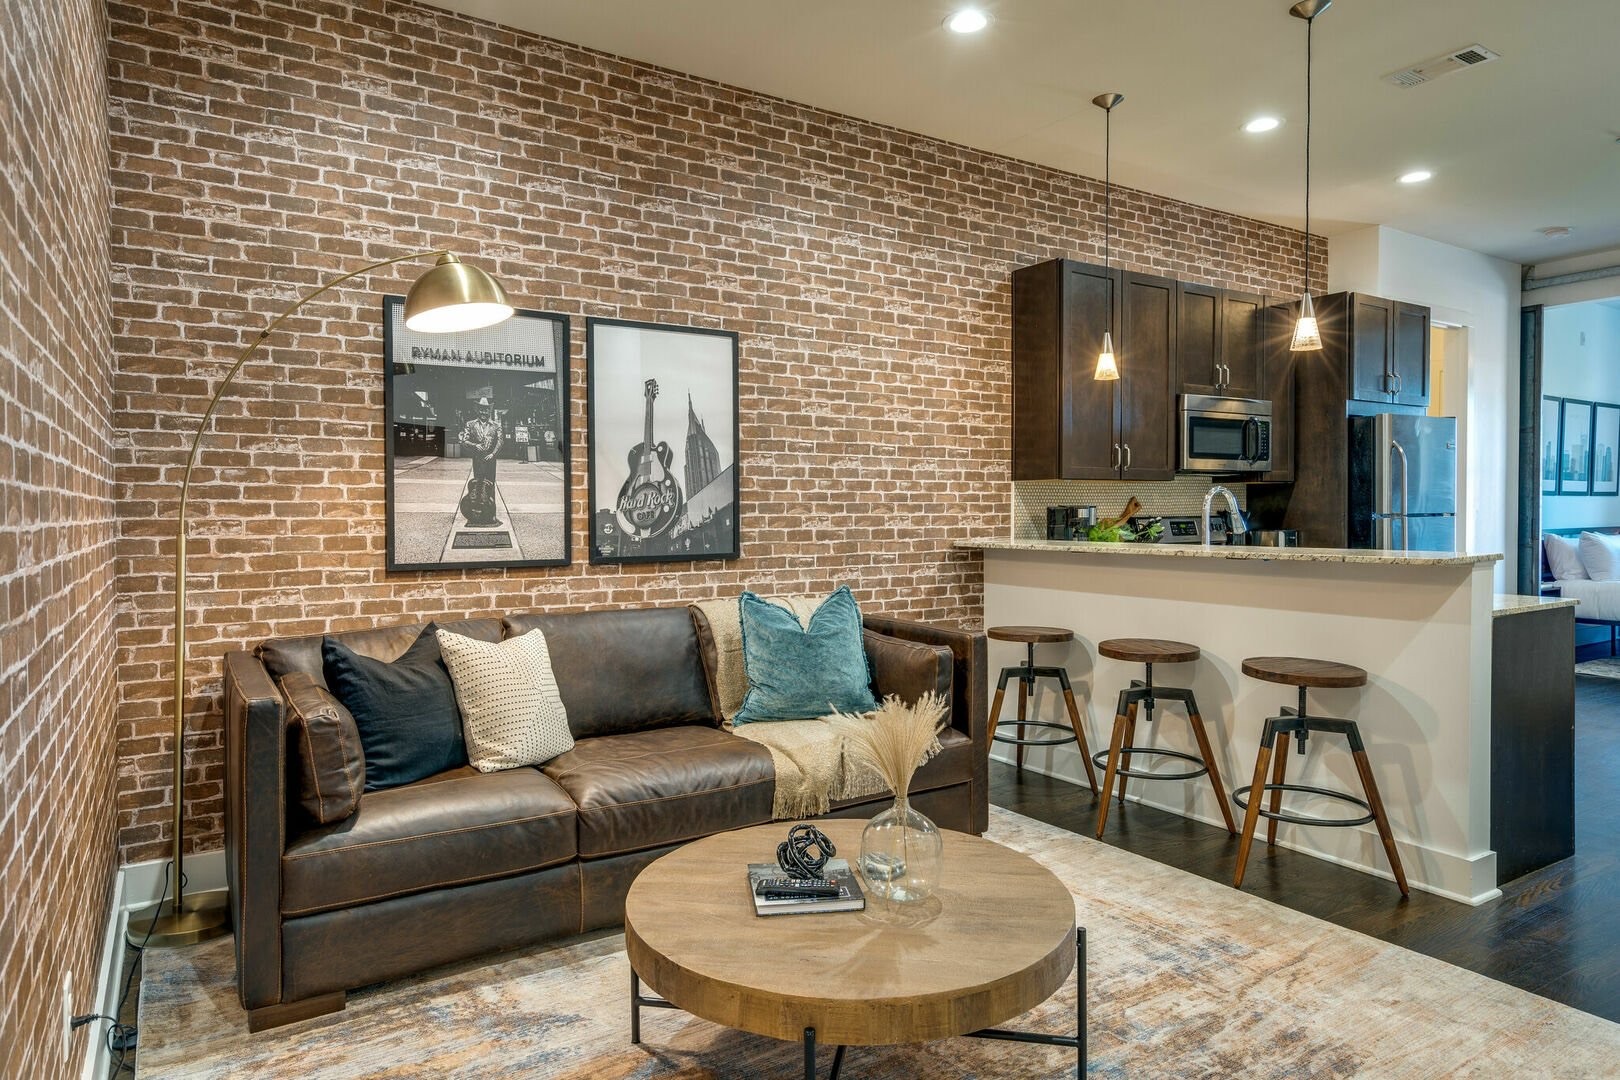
(1363, 556)
(1509, 604)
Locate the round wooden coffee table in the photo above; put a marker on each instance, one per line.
(996, 940)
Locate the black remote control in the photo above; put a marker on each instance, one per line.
(796, 889)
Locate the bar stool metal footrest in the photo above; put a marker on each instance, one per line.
(1100, 759)
(1241, 797)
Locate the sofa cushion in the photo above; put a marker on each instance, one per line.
(664, 786)
(325, 744)
(621, 671)
(451, 829)
(510, 710)
(952, 765)
(282, 656)
(405, 710)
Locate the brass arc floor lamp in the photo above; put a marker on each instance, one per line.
(451, 296)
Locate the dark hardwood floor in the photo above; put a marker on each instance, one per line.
(1555, 932)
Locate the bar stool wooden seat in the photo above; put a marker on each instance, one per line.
(1305, 673)
(1026, 674)
(1145, 694)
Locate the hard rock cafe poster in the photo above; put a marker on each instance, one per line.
(662, 410)
(477, 443)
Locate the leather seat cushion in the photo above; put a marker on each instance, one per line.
(645, 789)
(450, 829)
(952, 765)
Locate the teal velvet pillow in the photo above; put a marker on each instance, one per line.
(796, 673)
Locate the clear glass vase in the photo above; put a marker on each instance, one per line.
(901, 854)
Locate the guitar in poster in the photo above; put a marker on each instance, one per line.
(662, 409)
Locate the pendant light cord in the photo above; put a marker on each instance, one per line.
(1310, 25)
(1108, 196)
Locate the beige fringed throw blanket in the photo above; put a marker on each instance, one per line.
(812, 766)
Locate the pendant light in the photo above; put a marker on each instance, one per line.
(1107, 366)
(1307, 337)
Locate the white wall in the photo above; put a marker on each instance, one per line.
(1481, 293)
(1581, 359)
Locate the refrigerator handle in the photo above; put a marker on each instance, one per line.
(1396, 449)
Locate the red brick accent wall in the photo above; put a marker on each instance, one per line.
(258, 148)
(58, 848)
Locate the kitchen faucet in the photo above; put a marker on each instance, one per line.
(1239, 526)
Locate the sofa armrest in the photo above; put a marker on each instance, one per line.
(969, 707)
(908, 669)
(255, 824)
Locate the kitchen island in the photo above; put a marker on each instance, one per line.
(1420, 623)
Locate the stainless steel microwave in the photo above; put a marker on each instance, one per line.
(1225, 435)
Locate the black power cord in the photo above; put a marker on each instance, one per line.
(121, 1037)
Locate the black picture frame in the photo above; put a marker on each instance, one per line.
(1551, 456)
(1575, 447)
(1605, 449)
(433, 386)
(681, 502)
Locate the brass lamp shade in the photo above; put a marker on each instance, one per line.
(453, 296)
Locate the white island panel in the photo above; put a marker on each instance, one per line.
(1420, 627)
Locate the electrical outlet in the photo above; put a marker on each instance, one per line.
(67, 1014)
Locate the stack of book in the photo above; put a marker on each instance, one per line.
(770, 898)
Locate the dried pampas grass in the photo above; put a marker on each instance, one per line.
(895, 739)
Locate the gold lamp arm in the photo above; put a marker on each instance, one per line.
(180, 558)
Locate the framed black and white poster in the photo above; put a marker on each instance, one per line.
(662, 409)
(1605, 449)
(1575, 448)
(477, 443)
(1551, 412)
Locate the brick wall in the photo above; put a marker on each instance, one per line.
(57, 841)
(260, 147)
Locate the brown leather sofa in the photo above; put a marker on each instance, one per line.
(465, 863)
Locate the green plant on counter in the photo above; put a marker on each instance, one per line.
(1109, 534)
(1149, 531)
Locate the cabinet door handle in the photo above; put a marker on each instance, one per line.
(1113, 459)
(1127, 455)
(1226, 376)
(1400, 383)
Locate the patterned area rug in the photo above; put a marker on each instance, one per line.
(1188, 978)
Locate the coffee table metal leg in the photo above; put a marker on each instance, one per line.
(810, 1057)
(1078, 1039)
(637, 1001)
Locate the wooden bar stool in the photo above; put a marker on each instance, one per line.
(1303, 673)
(1026, 674)
(1144, 693)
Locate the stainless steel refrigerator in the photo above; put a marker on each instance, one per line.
(1403, 482)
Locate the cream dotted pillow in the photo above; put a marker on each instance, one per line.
(510, 708)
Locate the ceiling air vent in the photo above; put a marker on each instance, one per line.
(1429, 70)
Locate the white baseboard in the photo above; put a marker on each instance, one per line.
(1454, 877)
(135, 886)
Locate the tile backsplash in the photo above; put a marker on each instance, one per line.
(1183, 495)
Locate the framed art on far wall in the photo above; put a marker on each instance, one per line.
(1575, 448)
(1550, 414)
(476, 443)
(661, 407)
(1605, 449)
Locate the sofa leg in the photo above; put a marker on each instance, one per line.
(291, 1012)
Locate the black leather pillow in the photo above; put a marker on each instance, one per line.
(323, 740)
(405, 711)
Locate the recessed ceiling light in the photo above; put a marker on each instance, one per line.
(1262, 123)
(1416, 176)
(967, 21)
(1555, 232)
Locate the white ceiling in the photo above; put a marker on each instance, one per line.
(1524, 142)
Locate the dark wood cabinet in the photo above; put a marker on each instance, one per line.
(1066, 424)
(1389, 351)
(1241, 353)
(1274, 329)
(1146, 347)
(1218, 348)
(1409, 355)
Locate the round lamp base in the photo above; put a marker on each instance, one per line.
(203, 917)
